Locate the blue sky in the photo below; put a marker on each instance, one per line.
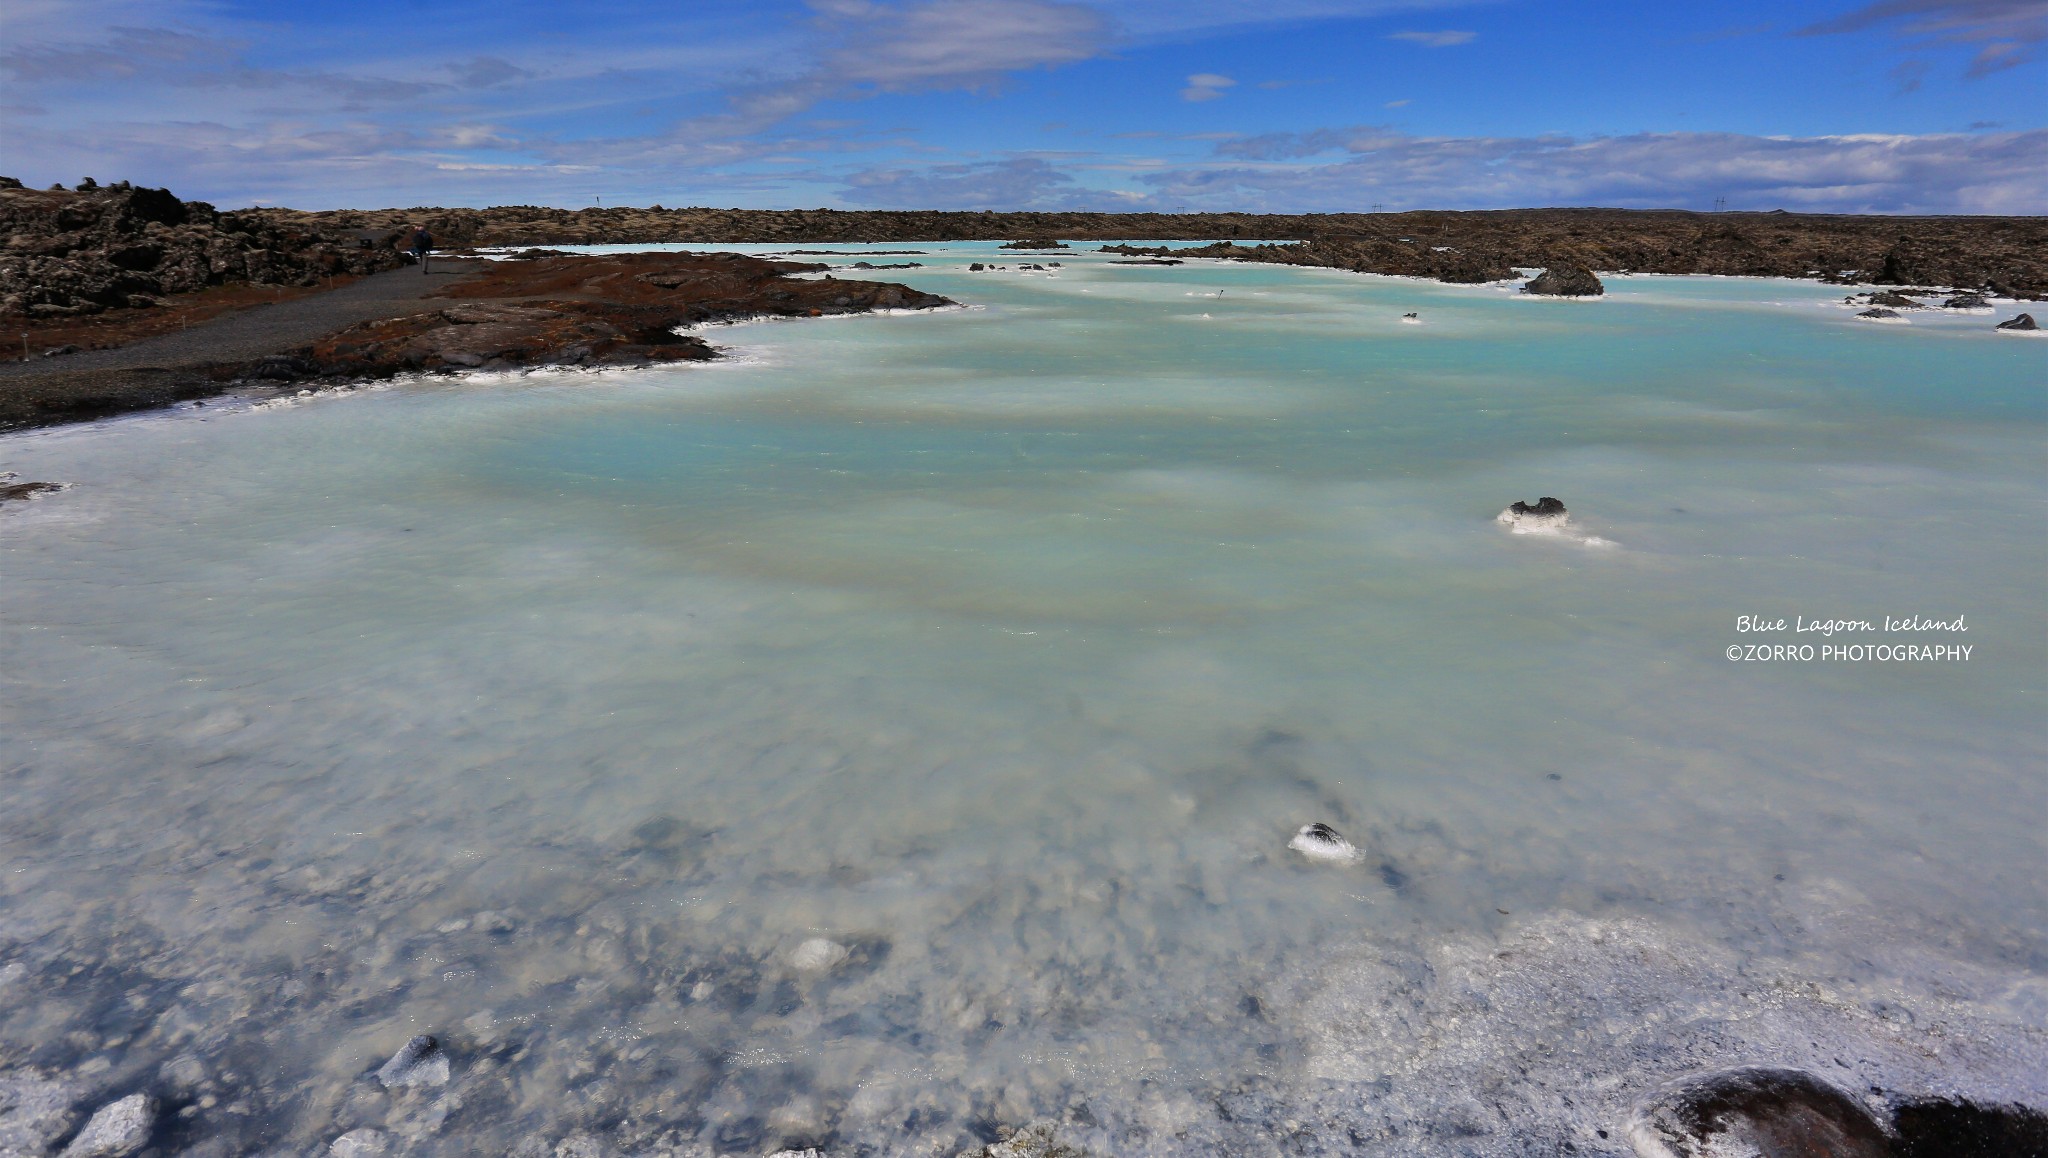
(1935, 106)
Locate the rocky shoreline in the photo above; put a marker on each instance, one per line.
(97, 266)
(78, 253)
(562, 310)
(2007, 256)
(545, 310)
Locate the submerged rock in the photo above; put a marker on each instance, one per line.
(1755, 1112)
(1879, 315)
(363, 1143)
(1566, 280)
(1547, 515)
(1893, 299)
(116, 1129)
(34, 1112)
(1031, 1142)
(2022, 322)
(818, 955)
(1965, 302)
(420, 1062)
(1319, 841)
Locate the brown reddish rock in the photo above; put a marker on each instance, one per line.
(1565, 280)
(618, 309)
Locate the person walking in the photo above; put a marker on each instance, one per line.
(422, 245)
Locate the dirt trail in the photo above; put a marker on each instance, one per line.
(161, 370)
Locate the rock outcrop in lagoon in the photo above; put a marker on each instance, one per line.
(1565, 280)
(1546, 514)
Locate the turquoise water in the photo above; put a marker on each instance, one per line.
(1005, 647)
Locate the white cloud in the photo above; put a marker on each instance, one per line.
(1206, 86)
(952, 43)
(2006, 33)
(1174, 18)
(1284, 173)
(1445, 39)
(2002, 173)
(1022, 183)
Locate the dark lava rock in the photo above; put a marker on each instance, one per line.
(976, 267)
(1943, 1128)
(1878, 314)
(1548, 514)
(1965, 302)
(593, 310)
(1036, 243)
(1566, 280)
(2022, 322)
(71, 254)
(1149, 261)
(1755, 1110)
(25, 490)
(1893, 299)
(279, 369)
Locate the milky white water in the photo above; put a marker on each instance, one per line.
(1005, 648)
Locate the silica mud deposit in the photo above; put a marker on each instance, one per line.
(893, 738)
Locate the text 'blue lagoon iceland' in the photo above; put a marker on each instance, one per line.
(895, 732)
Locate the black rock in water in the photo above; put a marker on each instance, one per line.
(1548, 514)
(1878, 314)
(1566, 280)
(1894, 300)
(1965, 302)
(2022, 322)
(1319, 841)
(1945, 1128)
(1758, 1110)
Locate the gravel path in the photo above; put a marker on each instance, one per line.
(172, 367)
